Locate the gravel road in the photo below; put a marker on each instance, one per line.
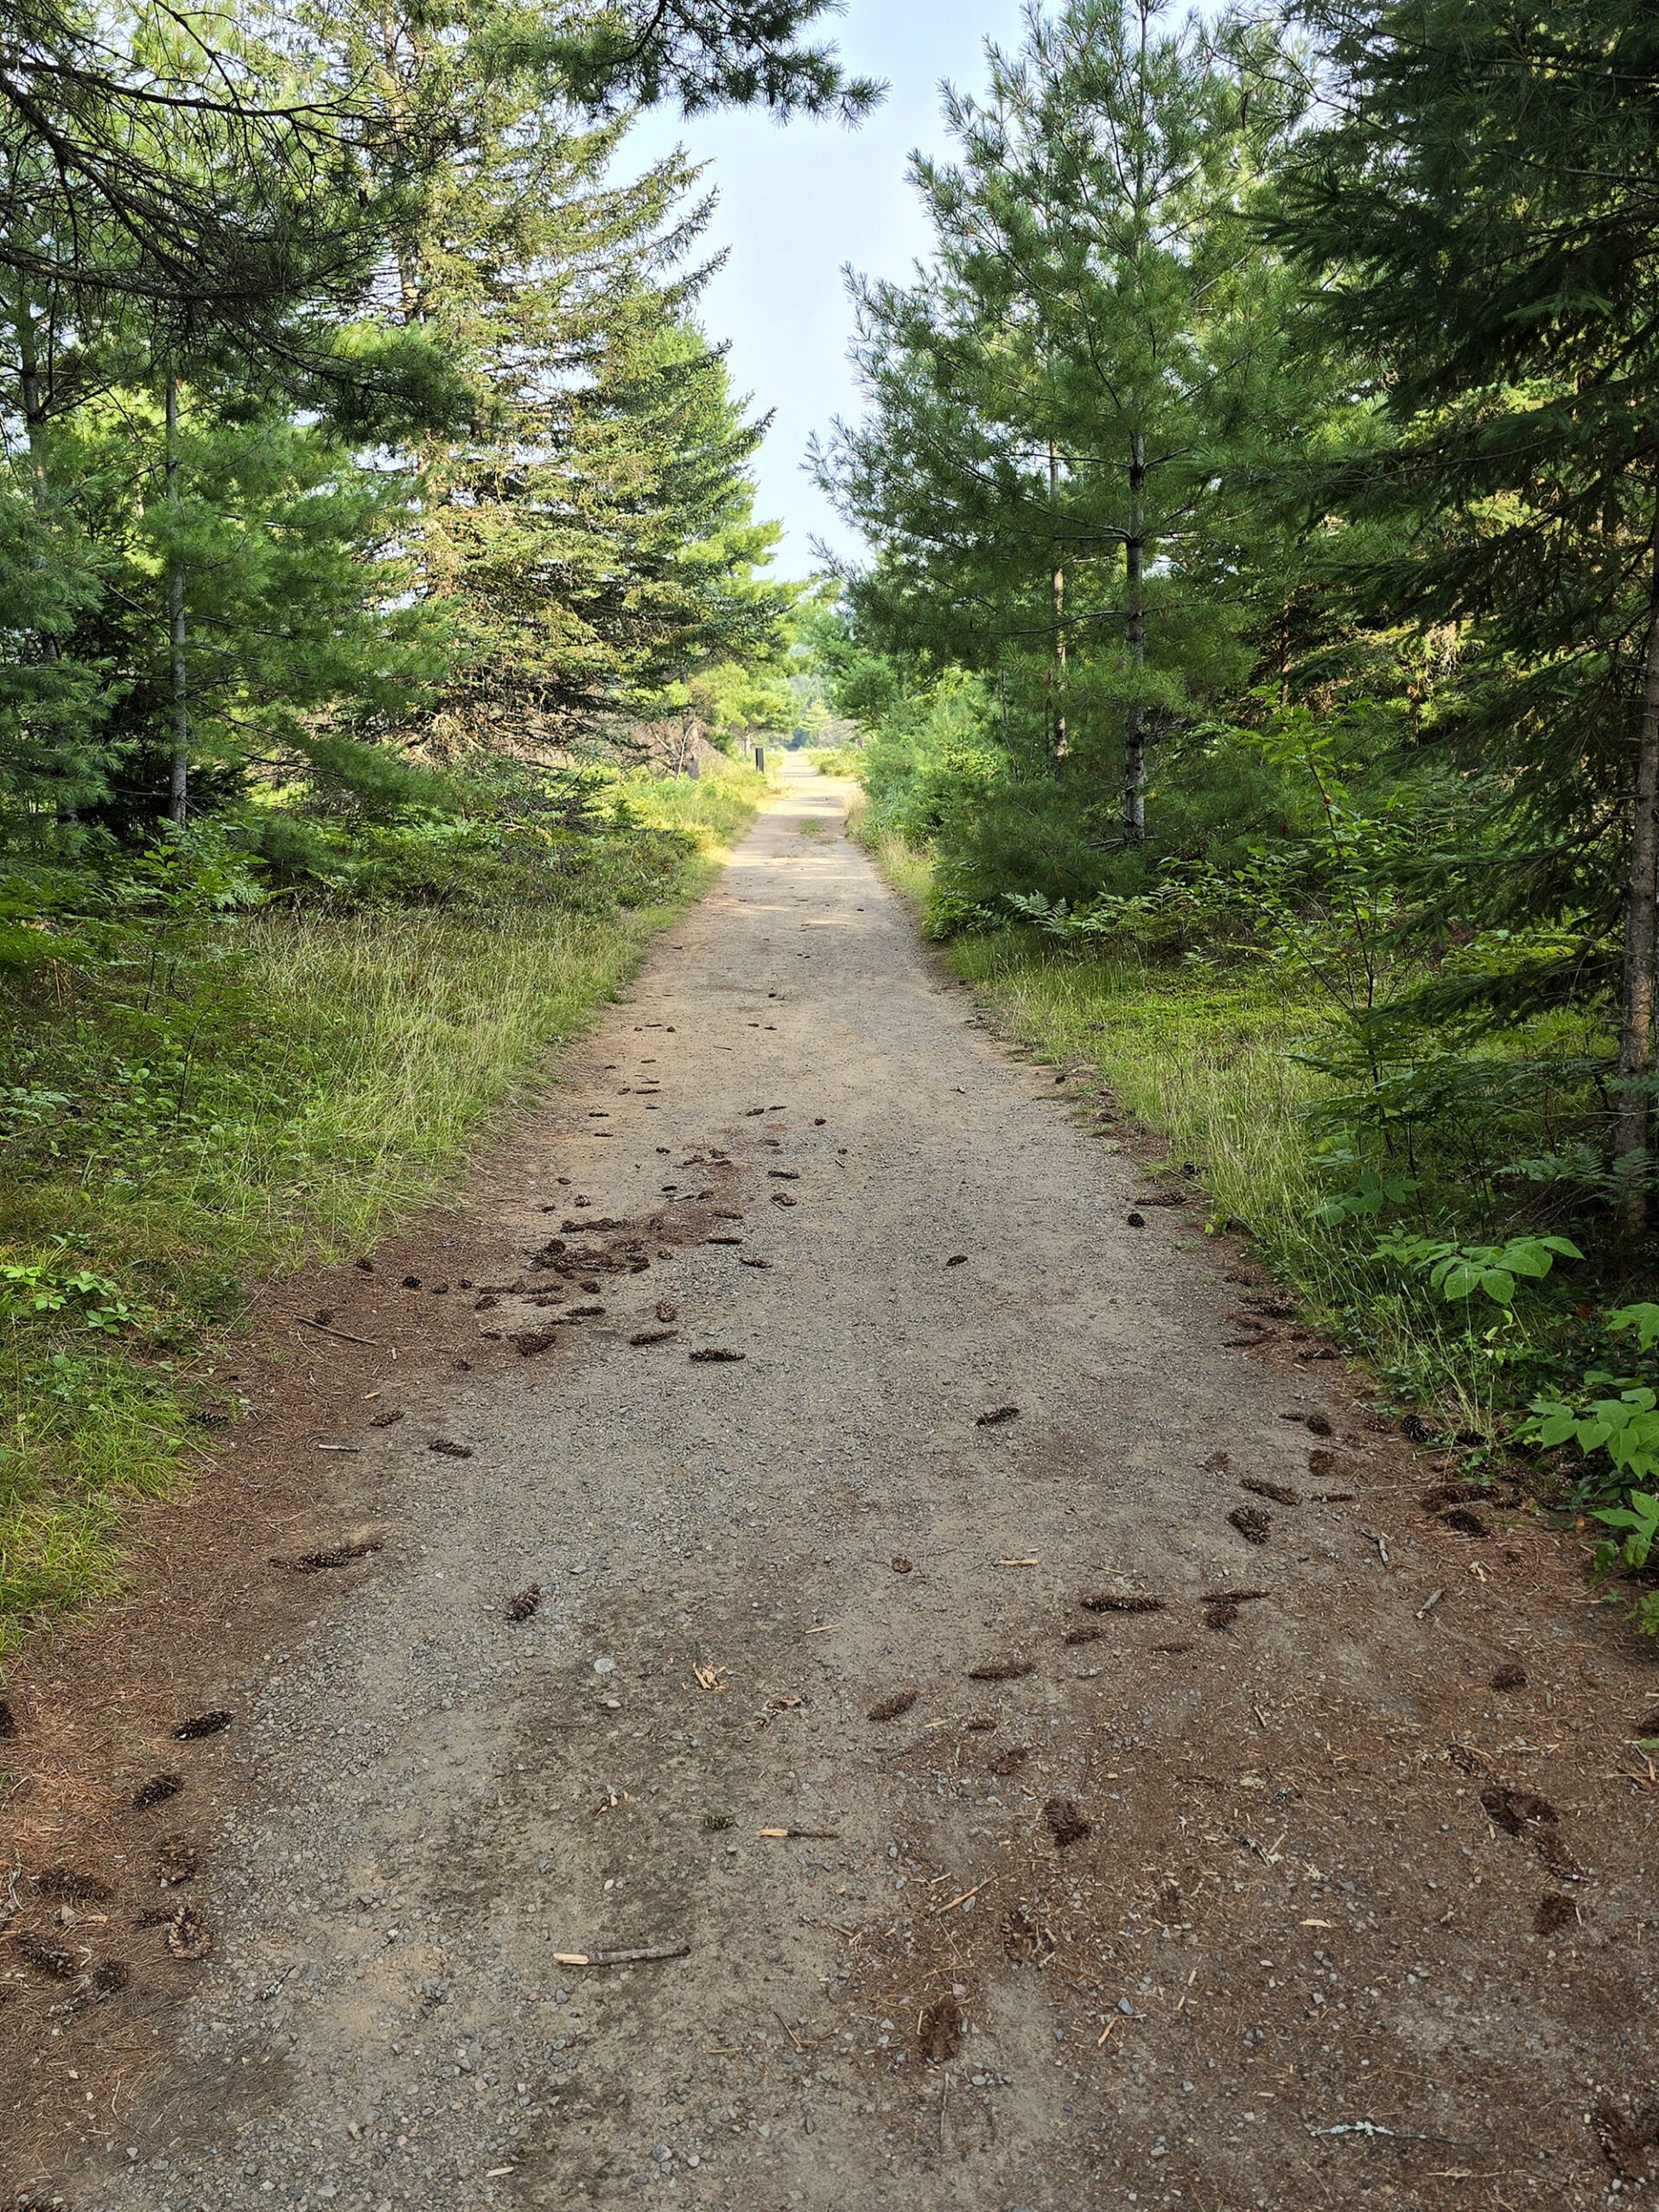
(1218, 1903)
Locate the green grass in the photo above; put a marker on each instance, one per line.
(835, 760)
(1210, 1064)
(1209, 1059)
(244, 1097)
(716, 808)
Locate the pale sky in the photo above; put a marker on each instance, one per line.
(800, 201)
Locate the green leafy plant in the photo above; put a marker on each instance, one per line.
(1640, 1519)
(1625, 1428)
(30, 1291)
(1368, 1197)
(1460, 1270)
(1643, 1318)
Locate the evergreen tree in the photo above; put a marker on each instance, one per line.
(1063, 405)
(587, 532)
(1480, 221)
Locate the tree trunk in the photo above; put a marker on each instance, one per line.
(178, 797)
(1636, 1034)
(34, 406)
(1134, 638)
(1057, 651)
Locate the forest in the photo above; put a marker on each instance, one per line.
(1255, 667)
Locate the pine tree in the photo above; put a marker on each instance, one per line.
(1482, 223)
(1061, 406)
(586, 533)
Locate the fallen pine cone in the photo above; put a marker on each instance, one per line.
(1065, 1821)
(1252, 1523)
(997, 1415)
(450, 1450)
(1465, 1523)
(1281, 1493)
(56, 1961)
(889, 1709)
(653, 1337)
(73, 1886)
(1512, 1809)
(188, 1936)
(337, 1555)
(714, 1352)
(1003, 1670)
(202, 1723)
(385, 1421)
(521, 1607)
(156, 1791)
(1111, 1602)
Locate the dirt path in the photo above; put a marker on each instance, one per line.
(995, 1892)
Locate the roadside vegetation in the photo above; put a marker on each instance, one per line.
(380, 567)
(1257, 662)
(207, 1085)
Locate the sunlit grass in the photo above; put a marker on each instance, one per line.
(341, 1072)
(1210, 1061)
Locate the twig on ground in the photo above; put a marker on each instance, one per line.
(345, 1335)
(639, 1954)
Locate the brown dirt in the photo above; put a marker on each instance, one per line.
(1306, 1912)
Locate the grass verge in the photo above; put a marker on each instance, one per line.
(1210, 1060)
(229, 1098)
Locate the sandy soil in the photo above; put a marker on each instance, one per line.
(985, 1889)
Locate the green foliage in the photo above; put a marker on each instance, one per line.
(215, 1082)
(30, 1289)
(1617, 1436)
(1368, 1197)
(1458, 1271)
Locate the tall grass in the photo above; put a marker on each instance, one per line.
(392, 1037)
(1213, 1062)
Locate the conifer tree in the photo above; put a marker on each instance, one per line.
(1059, 407)
(1481, 222)
(586, 530)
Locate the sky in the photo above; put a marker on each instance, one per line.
(800, 200)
